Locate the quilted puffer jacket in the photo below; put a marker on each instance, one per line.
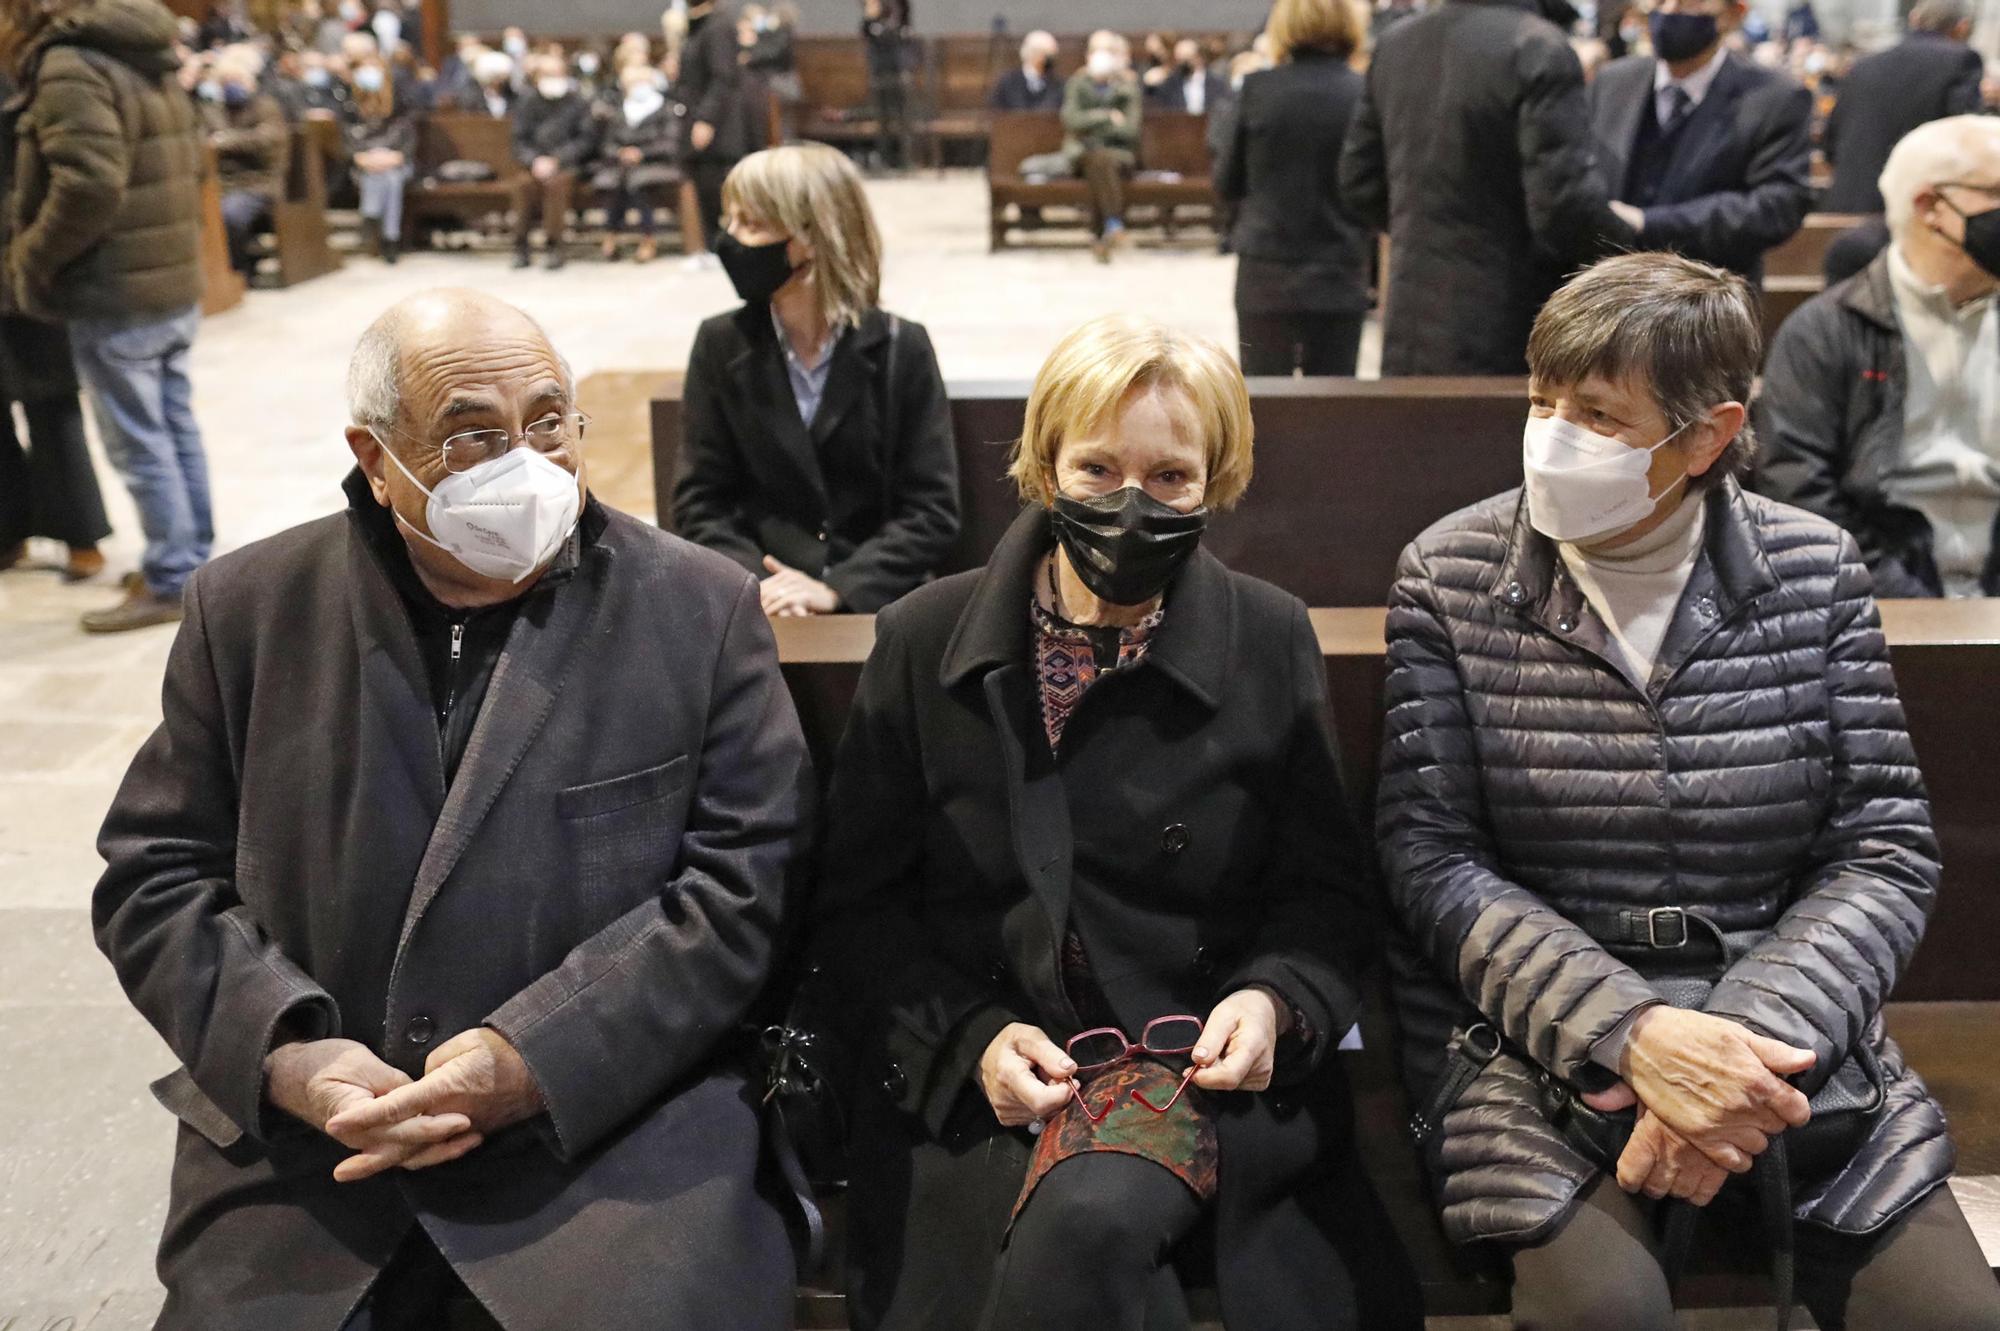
(1762, 777)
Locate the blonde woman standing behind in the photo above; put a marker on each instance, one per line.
(817, 450)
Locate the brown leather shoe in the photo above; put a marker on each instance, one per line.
(85, 563)
(140, 609)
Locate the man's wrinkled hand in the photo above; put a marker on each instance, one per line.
(1661, 1163)
(476, 1075)
(1717, 1084)
(319, 1082)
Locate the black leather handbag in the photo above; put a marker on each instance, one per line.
(805, 1113)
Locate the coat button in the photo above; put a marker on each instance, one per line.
(894, 1083)
(419, 1030)
(997, 973)
(1516, 593)
(1175, 839)
(1204, 960)
(1567, 624)
(1705, 607)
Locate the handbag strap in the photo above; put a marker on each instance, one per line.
(1773, 1174)
(1465, 1058)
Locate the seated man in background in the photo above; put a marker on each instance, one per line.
(461, 848)
(1101, 114)
(1880, 394)
(1191, 84)
(1708, 154)
(554, 134)
(491, 91)
(1033, 85)
(252, 147)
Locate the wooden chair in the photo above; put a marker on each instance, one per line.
(301, 238)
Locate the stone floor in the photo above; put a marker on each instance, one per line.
(83, 1150)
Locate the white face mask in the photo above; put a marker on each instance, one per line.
(504, 518)
(1582, 484)
(1103, 65)
(641, 100)
(553, 88)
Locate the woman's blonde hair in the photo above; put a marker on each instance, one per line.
(811, 190)
(1337, 27)
(1090, 374)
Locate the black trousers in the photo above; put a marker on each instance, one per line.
(49, 489)
(1092, 1249)
(891, 98)
(418, 1291)
(1923, 1273)
(708, 177)
(1301, 342)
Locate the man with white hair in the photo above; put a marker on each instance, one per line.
(458, 858)
(1033, 85)
(1881, 402)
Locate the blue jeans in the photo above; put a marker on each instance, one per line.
(382, 198)
(136, 375)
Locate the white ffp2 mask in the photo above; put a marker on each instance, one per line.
(1583, 484)
(502, 519)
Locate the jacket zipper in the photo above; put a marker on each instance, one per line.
(450, 691)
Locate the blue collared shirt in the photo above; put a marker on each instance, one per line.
(808, 381)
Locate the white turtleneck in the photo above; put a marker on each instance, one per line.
(1635, 588)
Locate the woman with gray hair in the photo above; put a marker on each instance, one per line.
(1650, 811)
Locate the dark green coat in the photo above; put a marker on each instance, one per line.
(104, 218)
(1086, 116)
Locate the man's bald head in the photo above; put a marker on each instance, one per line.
(453, 323)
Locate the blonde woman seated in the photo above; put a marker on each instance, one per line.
(1096, 905)
(817, 448)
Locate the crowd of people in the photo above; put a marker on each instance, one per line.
(480, 880)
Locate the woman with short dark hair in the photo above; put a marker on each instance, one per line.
(1649, 805)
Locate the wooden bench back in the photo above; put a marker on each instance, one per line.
(1015, 136)
(452, 136)
(1175, 141)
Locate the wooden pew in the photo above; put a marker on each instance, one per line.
(1324, 518)
(1784, 294)
(1804, 255)
(1943, 652)
(222, 286)
(450, 136)
(1174, 173)
(301, 238)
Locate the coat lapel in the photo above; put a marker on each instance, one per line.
(759, 373)
(1732, 571)
(856, 362)
(1625, 103)
(547, 639)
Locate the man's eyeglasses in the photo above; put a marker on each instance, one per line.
(551, 434)
(1100, 1048)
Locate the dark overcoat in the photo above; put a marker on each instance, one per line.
(1194, 834)
(865, 498)
(602, 883)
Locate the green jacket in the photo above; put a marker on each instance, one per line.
(104, 220)
(1086, 115)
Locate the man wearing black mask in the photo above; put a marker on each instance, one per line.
(1033, 86)
(1880, 394)
(1708, 154)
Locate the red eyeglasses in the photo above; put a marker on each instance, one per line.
(1097, 1049)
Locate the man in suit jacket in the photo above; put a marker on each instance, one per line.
(1033, 85)
(1929, 75)
(1190, 85)
(447, 888)
(1707, 154)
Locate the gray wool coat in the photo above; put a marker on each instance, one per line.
(603, 883)
(1762, 777)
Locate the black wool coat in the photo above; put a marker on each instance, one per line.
(1194, 833)
(602, 883)
(866, 499)
(1761, 777)
(1483, 179)
(1922, 78)
(1741, 178)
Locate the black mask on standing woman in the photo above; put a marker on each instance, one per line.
(1126, 546)
(756, 270)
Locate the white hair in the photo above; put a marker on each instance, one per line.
(375, 370)
(1938, 153)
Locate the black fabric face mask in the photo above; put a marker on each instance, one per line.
(1982, 237)
(757, 271)
(1678, 37)
(1126, 546)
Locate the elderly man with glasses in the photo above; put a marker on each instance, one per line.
(461, 850)
(1881, 402)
